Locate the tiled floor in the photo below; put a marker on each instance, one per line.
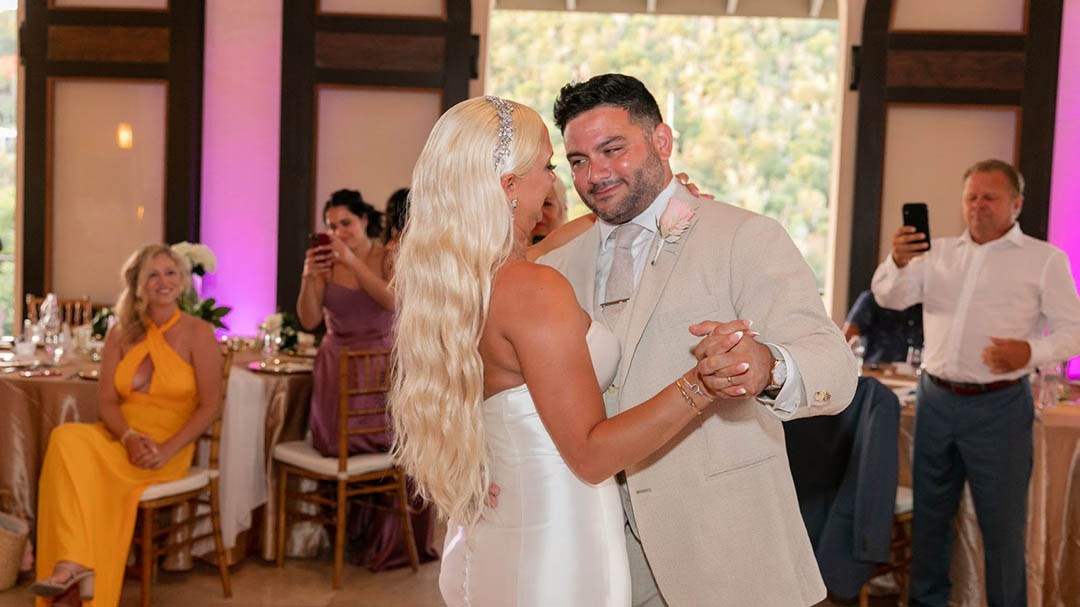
(300, 583)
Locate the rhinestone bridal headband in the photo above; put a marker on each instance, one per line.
(506, 130)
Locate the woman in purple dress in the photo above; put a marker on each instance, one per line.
(345, 285)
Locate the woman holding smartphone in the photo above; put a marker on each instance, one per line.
(346, 272)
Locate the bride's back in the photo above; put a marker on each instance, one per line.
(519, 290)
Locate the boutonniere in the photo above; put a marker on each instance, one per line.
(673, 223)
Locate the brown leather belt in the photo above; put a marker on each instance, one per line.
(964, 389)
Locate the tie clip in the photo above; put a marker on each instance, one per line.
(617, 301)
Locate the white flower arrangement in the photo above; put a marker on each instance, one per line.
(272, 324)
(199, 256)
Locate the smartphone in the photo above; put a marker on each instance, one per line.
(917, 216)
(321, 239)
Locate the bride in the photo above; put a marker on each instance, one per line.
(499, 378)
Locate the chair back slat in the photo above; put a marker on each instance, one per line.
(360, 372)
(74, 312)
(213, 434)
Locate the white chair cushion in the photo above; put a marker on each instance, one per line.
(196, 477)
(302, 455)
(904, 500)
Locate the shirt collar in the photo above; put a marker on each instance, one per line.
(646, 219)
(1014, 236)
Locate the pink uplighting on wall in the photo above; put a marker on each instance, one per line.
(1065, 186)
(241, 126)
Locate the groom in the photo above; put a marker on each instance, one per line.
(712, 518)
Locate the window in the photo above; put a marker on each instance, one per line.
(751, 100)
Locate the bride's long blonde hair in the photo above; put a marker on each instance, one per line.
(458, 232)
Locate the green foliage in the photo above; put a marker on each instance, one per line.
(204, 309)
(100, 323)
(751, 100)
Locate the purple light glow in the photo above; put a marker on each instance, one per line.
(1064, 200)
(241, 127)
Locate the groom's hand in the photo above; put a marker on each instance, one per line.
(731, 366)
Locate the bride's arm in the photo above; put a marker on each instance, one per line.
(547, 330)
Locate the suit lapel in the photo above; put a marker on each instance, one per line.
(653, 282)
(581, 269)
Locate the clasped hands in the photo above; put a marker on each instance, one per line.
(731, 363)
(144, 452)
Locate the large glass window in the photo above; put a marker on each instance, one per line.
(751, 100)
(9, 73)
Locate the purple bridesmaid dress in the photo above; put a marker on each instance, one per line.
(354, 321)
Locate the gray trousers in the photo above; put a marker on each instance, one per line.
(642, 582)
(985, 439)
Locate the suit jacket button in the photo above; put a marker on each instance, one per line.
(822, 396)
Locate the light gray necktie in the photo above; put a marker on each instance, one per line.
(620, 281)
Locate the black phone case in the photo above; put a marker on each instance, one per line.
(917, 216)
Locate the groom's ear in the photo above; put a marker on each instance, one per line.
(663, 140)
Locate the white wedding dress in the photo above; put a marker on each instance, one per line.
(554, 540)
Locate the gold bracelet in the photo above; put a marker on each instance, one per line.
(687, 398)
(695, 388)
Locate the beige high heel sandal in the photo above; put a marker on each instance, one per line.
(49, 587)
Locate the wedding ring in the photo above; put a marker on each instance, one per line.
(730, 381)
(337, 255)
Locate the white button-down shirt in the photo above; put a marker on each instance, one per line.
(1015, 287)
(791, 395)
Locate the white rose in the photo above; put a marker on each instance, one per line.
(204, 257)
(273, 323)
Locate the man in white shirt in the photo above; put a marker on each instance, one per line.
(712, 518)
(996, 304)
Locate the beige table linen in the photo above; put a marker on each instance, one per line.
(33, 406)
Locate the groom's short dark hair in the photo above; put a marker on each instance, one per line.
(617, 90)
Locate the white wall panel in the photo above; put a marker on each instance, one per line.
(927, 150)
(107, 200)
(412, 8)
(127, 4)
(369, 140)
(955, 15)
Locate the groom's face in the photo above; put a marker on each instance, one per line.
(618, 167)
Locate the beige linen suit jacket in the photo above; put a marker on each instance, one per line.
(716, 509)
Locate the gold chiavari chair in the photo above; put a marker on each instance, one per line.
(345, 477)
(199, 487)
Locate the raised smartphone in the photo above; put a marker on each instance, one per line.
(321, 239)
(917, 216)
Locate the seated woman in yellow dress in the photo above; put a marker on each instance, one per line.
(160, 387)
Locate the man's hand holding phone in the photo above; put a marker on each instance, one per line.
(908, 244)
(319, 257)
(913, 238)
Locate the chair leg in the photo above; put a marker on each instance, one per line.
(283, 478)
(406, 524)
(339, 534)
(147, 555)
(215, 518)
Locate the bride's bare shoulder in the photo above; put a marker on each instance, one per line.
(533, 287)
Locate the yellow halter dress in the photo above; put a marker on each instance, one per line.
(89, 492)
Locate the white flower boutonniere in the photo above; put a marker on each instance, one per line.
(673, 223)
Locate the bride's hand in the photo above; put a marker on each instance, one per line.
(694, 191)
(719, 339)
(493, 496)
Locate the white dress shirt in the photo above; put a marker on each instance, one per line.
(1015, 287)
(791, 395)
